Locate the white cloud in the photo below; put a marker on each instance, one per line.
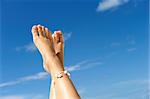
(30, 47)
(125, 89)
(24, 96)
(67, 36)
(110, 4)
(115, 44)
(131, 49)
(132, 82)
(38, 96)
(11, 97)
(137, 89)
(81, 91)
(10, 83)
(38, 76)
(132, 42)
(73, 68)
(84, 65)
(43, 75)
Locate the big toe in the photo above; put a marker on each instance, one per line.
(58, 40)
(48, 34)
(41, 30)
(35, 32)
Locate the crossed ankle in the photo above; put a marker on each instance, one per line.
(60, 75)
(56, 70)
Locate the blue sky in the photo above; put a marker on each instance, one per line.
(106, 47)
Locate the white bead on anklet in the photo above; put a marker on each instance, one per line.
(60, 74)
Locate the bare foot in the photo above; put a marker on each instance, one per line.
(44, 42)
(58, 43)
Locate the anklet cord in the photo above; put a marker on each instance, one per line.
(60, 75)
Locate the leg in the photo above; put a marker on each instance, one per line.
(64, 87)
(52, 91)
(58, 42)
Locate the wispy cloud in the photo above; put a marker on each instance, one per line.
(24, 96)
(67, 36)
(132, 42)
(110, 4)
(11, 97)
(10, 83)
(38, 76)
(30, 47)
(115, 44)
(132, 89)
(132, 82)
(81, 91)
(84, 65)
(37, 96)
(125, 89)
(131, 49)
(43, 75)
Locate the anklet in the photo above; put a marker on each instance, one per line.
(60, 74)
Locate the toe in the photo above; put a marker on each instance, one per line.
(35, 32)
(58, 36)
(40, 31)
(43, 31)
(59, 47)
(58, 41)
(48, 34)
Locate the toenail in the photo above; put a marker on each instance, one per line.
(59, 31)
(39, 25)
(52, 35)
(55, 32)
(34, 26)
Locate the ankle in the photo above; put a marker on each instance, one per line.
(54, 64)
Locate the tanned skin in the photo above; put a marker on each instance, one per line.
(52, 52)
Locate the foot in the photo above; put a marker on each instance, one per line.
(58, 43)
(44, 42)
